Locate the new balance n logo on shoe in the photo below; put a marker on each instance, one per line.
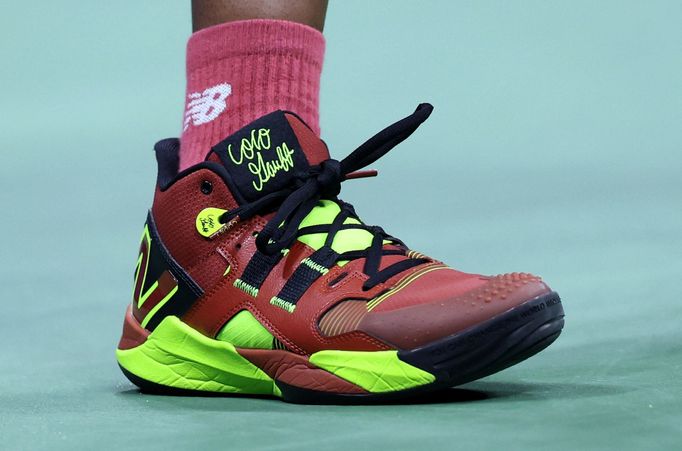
(203, 107)
(151, 291)
(161, 287)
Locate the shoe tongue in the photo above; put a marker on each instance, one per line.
(265, 155)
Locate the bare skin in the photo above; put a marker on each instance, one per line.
(206, 13)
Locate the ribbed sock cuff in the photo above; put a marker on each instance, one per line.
(240, 71)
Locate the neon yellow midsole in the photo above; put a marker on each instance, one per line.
(176, 355)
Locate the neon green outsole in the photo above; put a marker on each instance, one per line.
(175, 355)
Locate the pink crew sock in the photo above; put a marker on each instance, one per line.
(240, 71)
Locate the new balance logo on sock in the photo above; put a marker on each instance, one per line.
(203, 107)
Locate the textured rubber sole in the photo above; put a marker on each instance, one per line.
(480, 351)
(485, 349)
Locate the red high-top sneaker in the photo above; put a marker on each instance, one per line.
(253, 277)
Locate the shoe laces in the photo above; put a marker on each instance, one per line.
(323, 181)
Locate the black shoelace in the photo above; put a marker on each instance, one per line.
(323, 181)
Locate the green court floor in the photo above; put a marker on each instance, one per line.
(555, 148)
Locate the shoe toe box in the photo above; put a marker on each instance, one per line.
(448, 310)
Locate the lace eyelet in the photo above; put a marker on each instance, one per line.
(337, 279)
(206, 187)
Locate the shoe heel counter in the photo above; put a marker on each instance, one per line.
(133, 334)
(160, 286)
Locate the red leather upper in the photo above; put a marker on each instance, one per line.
(419, 305)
